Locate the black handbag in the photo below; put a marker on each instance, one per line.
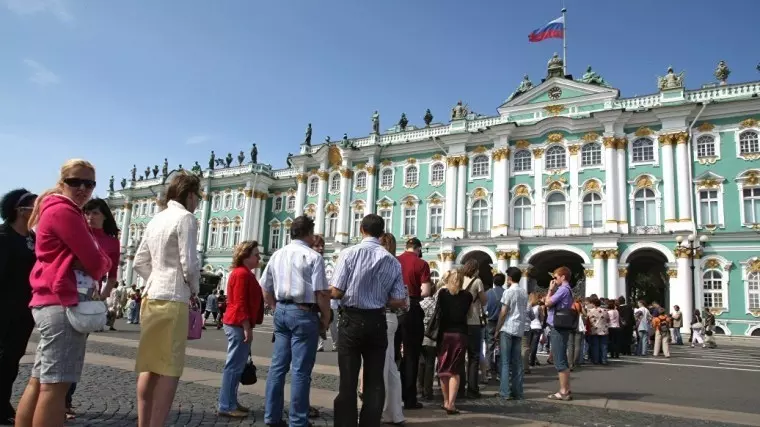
(249, 373)
(434, 326)
(566, 318)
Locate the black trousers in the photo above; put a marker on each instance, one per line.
(468, 380)
(625, 340)
(412, 332)
(428, 370)
(363, 338)
(615, 336)
(16, 325)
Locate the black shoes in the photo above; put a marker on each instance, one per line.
(412, 406)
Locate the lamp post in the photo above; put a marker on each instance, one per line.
(693, 248)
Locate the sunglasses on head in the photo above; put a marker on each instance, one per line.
(79, 182)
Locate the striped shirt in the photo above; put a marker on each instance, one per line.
(294, 273)
(368, 275)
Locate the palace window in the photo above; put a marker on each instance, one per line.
(749, 143)
(712, 283)
(644, 208)
(436, 220)
(555, 210)
(751, 201)
(480, 167)
(274, 239)
(480, 217)
(523, 214)
(240, 201)
(642, 150)
(592, 210)
(277, 204)
(287, 235)
(523, 161)
(591, 154)
(225, 235)
(435, 277)
(143, 209)
(291, 203)
(555, 158)
(313, 185)
(386, 178)
(331, 227)
(228, 202)
(385, 214)
(411, 176)
(753, 291)
(217, 202)
(436, 173)
(335, 183)
(213, 235)
(356, 224)
(153, 208)
(237, 230)
(706, 146)
(361, 180)
(410, 221)
(709, 207)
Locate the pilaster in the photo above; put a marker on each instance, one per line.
(130, 268)
(500, 201)
(449, 225)
(668, 182)
(622, 275)
(575, 221)
(680, 289)
(622, 193)
(538, 189)
(205, 216)
(502, 258)
(371, 188)
(596, 284)
(255, 217)
(246, 232)
(341, 235)
(611, 186)
(684, 183)
(319, 226)
(262, 216)
(612, 274)
(125, 225)
(300, 193)
(461, 195)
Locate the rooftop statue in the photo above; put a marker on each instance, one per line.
(211, 160)
(155, 171)
(722, 72)
(327, 139)
(220, 163)
(555, 67)
(254, 154)
(525, 85)
(134, 172)
(307, 140)
(459, 111)
(241, 158)
(344, 142)
(289, 160)
(123, 183)
(147, 173)
(179, 167)
(593, 78)
(403, 121)
(196, 169)
(165, 169)
(110, 184)
(376, 123)
(428, 117)
(670, 80)
(228, 160)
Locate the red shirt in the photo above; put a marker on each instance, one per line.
(111, 247)
(244, 299)
(415, 272)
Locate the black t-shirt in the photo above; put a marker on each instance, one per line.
(16, 262)
(454, 309)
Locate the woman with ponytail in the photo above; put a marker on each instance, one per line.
(68, 258)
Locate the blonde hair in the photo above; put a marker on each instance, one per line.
(454, 282)
(242, 252)
(533, 299)
(66, 169)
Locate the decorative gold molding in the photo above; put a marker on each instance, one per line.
(622, 272)
(291, 192)
(411, 161)
(589, 273)
(463, 160)
(666, 139)
(682, 137)
(538, 152)
(609, 142)
(706, 127)
(371, 169)
(447, 256)
(574, 149)
(554, 110)
(334, 157)
(500, 154)
(643, 131)
(752, 178)
(479, 193)
(332, 208)
(526, 271)
(682, 252)
(753, 266)
(592, 185)
(409, 201)
(248, 192)
(385, 204)
(301, 178)
(554, 186)
(748, 123)
(522, 144)
(479, 149)
(360, 166)
(555, 137)
(672, 273)
(708, 183)
(433, 265)
(621, 143)
(436, 156)
(346, 173)
(612, 253)
(590, 137)
(387, 162)
(435, 200)
(515, 255)
(644, 182)
(522, 190)
(323, 175)
(502, 255)
(713, 264)
(598, 253)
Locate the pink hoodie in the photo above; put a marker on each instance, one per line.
(63, 237)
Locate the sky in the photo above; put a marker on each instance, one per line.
(132, 82)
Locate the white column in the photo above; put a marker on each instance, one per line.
(575, 222)
(610, 169)
(668, 179)
(461, 193)
(345, 210)
(252, 224)
(622, 182)
(205, 214)
(684, 190)
(524, 278)
(538, 189)
(319, 227)
(130, 267)
(500, 158)
(612, 274)
(447, 262)
(622, 273)
(300, 193)
(246, 232)
(514, 258)
(451, 197)
(699, 290)
(262, 217)
(680, 290)
(596, 285)
(501, 261)
(125, 226)
(371, 190)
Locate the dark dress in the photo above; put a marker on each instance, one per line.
(452, 345)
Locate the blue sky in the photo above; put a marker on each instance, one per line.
(123, 82)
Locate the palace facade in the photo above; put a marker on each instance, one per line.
(654, 197)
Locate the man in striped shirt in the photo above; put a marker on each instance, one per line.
(367, 279)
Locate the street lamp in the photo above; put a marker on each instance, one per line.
(694, 251)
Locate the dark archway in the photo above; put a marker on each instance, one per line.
(544, 263)
(484, 261)
(647, 277)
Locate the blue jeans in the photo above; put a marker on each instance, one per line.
(678, 340)
(559, 339)
(598, 349)
(134, 315)
(296, 334)
(237, 356)
(603, 347)
(642, 343)
(511, 366)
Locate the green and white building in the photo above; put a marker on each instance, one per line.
(567, 172)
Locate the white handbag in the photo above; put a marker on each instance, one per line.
(88, 316)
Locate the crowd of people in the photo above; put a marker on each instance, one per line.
(396, 332)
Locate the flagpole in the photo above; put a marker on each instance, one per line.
(564, 40)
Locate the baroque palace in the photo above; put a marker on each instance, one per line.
(654, 197)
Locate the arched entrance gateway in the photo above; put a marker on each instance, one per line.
(544, 260)
(485, 265)
(647, 273)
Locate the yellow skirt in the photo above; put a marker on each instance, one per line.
(163, 337)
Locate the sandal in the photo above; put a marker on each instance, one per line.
(559, 396)
(452, 412)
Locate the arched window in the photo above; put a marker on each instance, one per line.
(480, 217)
(286, 235)
(225, 235)
(592, 210)
(386, 178)
(291, 203)
(555, 210)
(274, 238)
(555, 157)
(751, 201)
(335, 183)
(143, 209)
(153, 208)
(217, 202)
(228, 202)
(361, 180)
(436, 220)
(749, 143)
(712, 282)
(411, 176)
(591, 154)
(277, 204)
(436, 173)
(644, 208)
(313, 185)
(705, 146)
(410, 221)
(523, 161)
(523, 213)
(356, 223)
(386, 215)
(213, 235)
(240, 201)
(642, 150)
(753, 291)
(435, 277)
(331, 227)
(480, 166)
(236, 233)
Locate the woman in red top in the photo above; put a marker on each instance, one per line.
(245, 308)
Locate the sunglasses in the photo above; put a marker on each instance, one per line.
(78, 182)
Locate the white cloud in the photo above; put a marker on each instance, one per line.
(40, 75)
(198, 139)
(57, 8)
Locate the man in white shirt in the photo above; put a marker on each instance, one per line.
(294, 284)
(511, 330)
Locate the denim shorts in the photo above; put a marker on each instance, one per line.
(559, 338)
(60, 351)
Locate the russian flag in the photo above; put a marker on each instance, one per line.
(552, 30)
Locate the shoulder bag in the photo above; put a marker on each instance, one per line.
(433, 327)
(88, 316)
(249, 373)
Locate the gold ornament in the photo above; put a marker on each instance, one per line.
(323, 175)
(666, 139)
(554, 110)
(436, 157)
(538, 152)
(371, 169)
(643, 131)
(598, 254)
(574, 149)
(479, 149)
(479, 193)
(712, 264)
(609, 142)
(706, 127)
(555, 137)
(522, 144)
(334, 157)
(387, 162)
(301, 178)
(590, 137)
(411, 161)
(748, 123)
(644, 182)
(589, 272)
(622, 272)
(554, 186)
(672, 273)
(621, 143)
(346, 173)
(592, 185)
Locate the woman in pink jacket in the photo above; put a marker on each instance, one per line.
(67, 254)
